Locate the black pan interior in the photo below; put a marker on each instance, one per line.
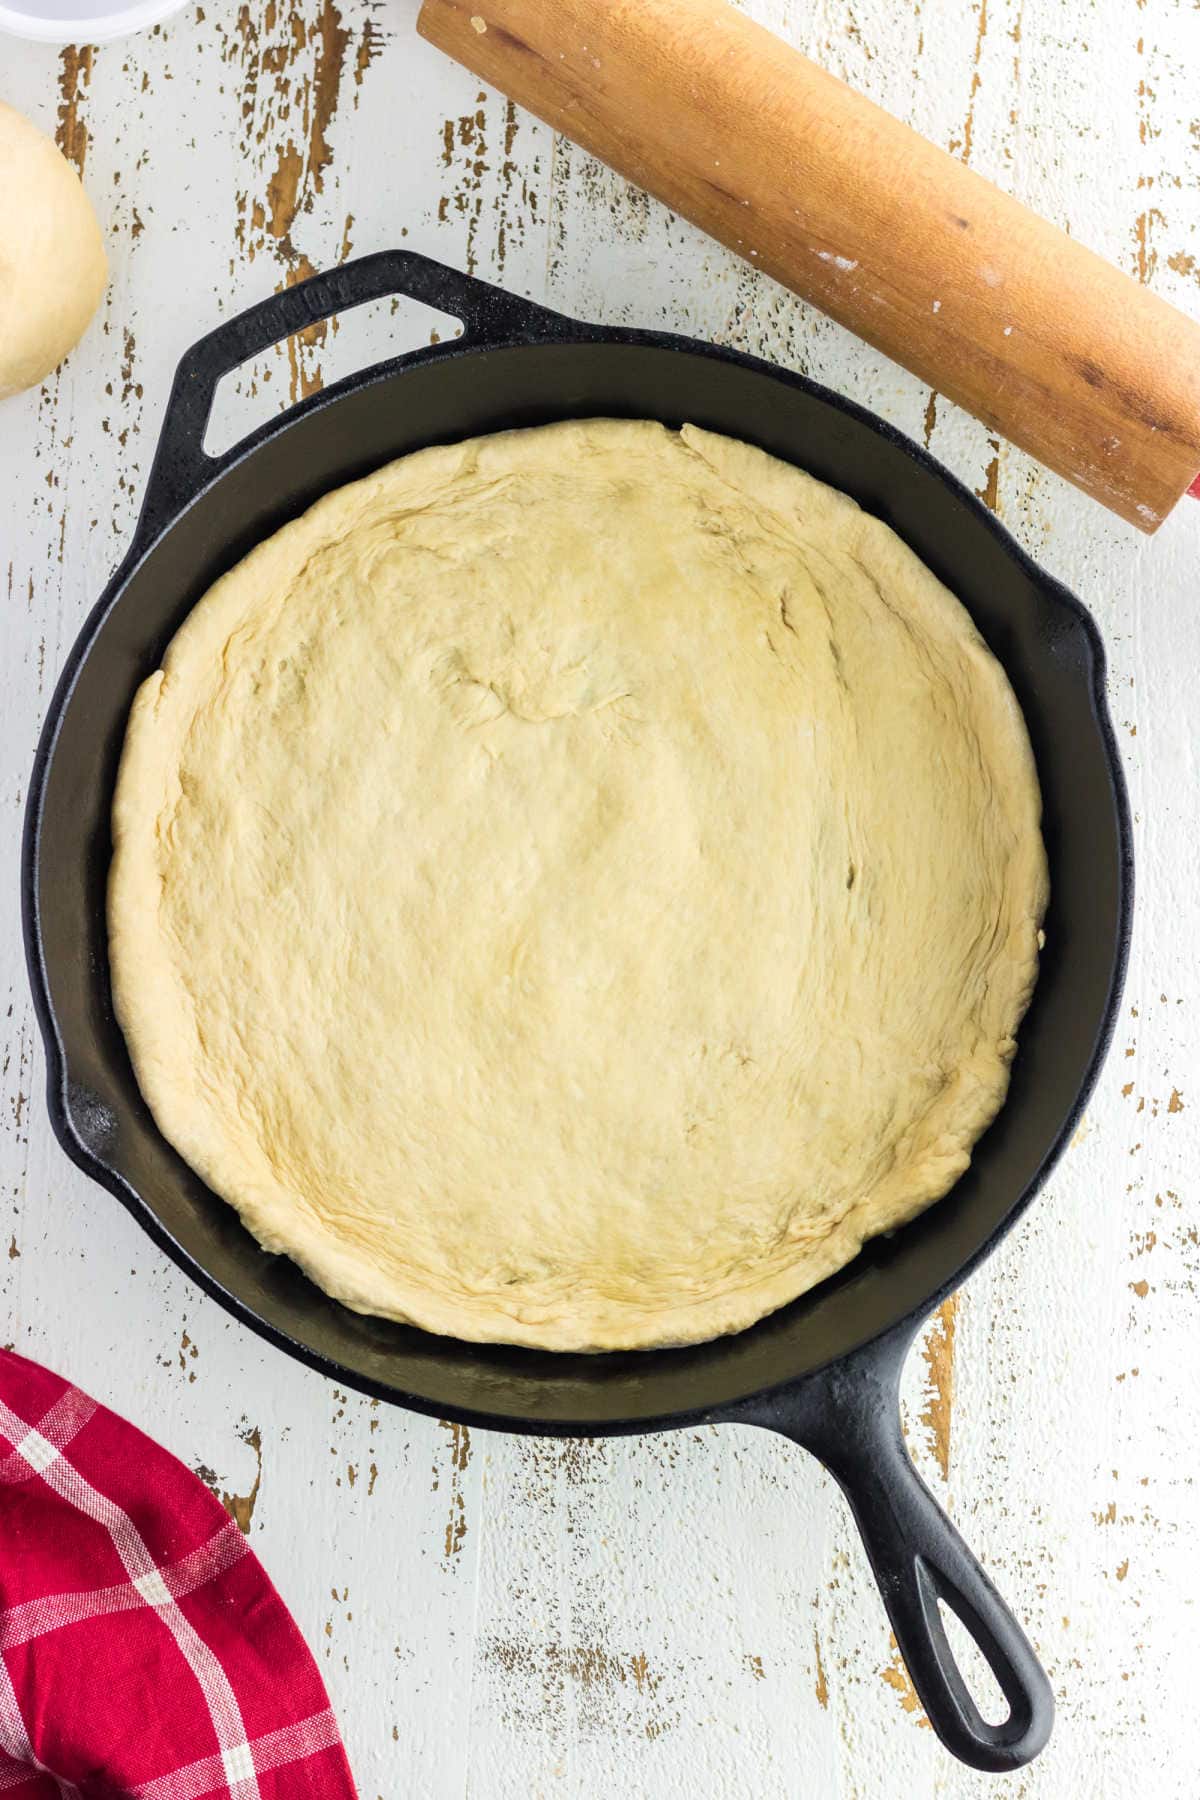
(1054, 660)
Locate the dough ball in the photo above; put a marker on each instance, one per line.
(52, 263)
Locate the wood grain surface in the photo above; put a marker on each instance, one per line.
(685, 1615)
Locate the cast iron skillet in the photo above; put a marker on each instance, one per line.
(825, 1370)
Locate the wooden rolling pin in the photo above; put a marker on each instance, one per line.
(1043, 340)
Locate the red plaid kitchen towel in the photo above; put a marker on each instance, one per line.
(143, 1651)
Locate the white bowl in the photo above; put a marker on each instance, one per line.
(80, 21)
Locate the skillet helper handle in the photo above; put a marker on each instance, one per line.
(849, 1417)
(902, 243)
(182, 467)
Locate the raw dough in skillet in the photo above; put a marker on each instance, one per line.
(573, 887)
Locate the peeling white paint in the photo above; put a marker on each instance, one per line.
(692, 1614)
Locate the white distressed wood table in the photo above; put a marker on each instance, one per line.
(689, 1614)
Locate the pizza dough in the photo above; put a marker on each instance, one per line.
(572, 888)
(52, 263)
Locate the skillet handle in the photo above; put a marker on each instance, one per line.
(849, 1417)
(182, 468)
